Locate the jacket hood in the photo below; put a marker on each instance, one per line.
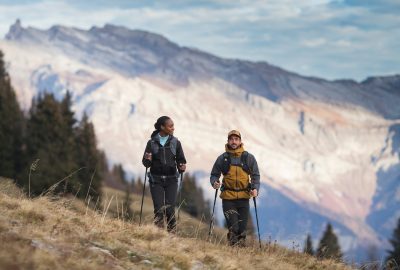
(237, 152)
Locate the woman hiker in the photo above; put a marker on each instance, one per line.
(164, 155)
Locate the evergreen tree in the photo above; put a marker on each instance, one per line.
(329, 245)
(3, 72)
(308, 246)
(119, 174)
(193, 201)
(43, 131)
(90, 159)
(11, 126)
(394, 255)
(128, 212)
(138, 187)
(50, 140)
(69, 146)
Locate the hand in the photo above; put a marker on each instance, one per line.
(253, 193)
(148, 156)
(182, 167)
(216, 185)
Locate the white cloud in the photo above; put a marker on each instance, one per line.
(286, 32)
(314, 42)
(343, 43)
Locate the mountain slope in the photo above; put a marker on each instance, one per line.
(45, 233)
(320, 144)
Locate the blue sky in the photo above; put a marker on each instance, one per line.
(329, 39)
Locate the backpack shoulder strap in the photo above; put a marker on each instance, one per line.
(173, 144)
(226, 163)
(154, 147)
(244, 162)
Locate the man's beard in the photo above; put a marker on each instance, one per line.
(233, 146)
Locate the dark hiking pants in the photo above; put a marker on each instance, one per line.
(163, 192)
(236, 213)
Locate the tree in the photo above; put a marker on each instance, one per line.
(308, 247)
(90, 159)
(44, 142)
(11, 127)
(138, 187)
(394, 254)
(372, 262)
(329, 245)
(65, 148)
(69, 146)
(128, 212)
(193, 201)
(3, 72)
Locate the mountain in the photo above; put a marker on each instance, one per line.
(327, 150)
(64, 233)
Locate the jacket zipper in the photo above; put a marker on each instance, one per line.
(165, 159)
(237, 193)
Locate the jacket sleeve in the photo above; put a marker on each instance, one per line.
(216, 171)
(180, 156)
(146, 162)
(254, 173)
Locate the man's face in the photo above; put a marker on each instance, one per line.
(234, 142)
(168, 128)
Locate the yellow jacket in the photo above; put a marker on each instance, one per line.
(236, 178)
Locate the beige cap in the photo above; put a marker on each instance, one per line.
(234, 132)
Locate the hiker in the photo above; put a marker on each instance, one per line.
(165, 157)
(238, 167)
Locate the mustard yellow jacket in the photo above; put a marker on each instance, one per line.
(237, 182)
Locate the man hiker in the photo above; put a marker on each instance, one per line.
(164, 155)
(240, 182)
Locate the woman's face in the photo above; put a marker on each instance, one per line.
(168, 128)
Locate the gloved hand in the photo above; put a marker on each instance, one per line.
(147, 163)
(181, 168)
(147, 160)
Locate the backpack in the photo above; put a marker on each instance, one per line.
(172, 145)
(226, 163)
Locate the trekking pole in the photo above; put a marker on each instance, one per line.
(141, 207)
(180, 194)
(258, 227)
(212, 216)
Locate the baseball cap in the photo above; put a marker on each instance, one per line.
(234, 132)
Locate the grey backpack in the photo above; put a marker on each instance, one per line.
(172, 145)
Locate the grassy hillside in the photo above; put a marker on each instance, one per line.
(54, 233)
(188, 226)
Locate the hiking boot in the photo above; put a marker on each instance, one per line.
(159, 222)
(171, 228)
(241, 241)
(232, 238)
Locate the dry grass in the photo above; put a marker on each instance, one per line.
(45, 234)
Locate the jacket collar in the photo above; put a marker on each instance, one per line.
(156, 138)
(237, 152)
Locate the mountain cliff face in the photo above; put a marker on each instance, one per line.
(328, 150)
